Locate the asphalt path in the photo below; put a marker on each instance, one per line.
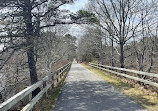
(85, 91)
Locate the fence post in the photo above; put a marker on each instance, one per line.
(53, 81)
(57, 76)
(44, 85)
(64, 73)
(60, 73)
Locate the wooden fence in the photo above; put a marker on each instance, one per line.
(54, 76)
(150, 78)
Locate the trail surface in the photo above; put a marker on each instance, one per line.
(85, 91)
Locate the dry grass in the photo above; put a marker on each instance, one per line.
(145, 97)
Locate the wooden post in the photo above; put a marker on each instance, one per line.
(57, 77)
(52, 81)
(60, 75)
(45, 95)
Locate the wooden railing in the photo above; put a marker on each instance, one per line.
(150, 78)
(54, 76)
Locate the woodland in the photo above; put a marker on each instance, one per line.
(34, 38)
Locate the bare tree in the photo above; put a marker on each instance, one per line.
(120, 18)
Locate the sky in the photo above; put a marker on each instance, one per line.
(75, 30)
(1, 47)
(77, 5)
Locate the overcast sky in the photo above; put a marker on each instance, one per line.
(76, 30)
(77, 5)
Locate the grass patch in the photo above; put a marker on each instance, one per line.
(145, 97)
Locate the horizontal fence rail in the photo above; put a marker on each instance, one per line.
(19, 96)
(123, 72)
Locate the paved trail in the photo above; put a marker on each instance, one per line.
(85, 91)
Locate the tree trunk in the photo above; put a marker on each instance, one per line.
(32, 66)
(112, 51)
(101, 52)
(30, 44)
(121, 55)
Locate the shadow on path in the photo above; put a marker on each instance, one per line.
(85, 91)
